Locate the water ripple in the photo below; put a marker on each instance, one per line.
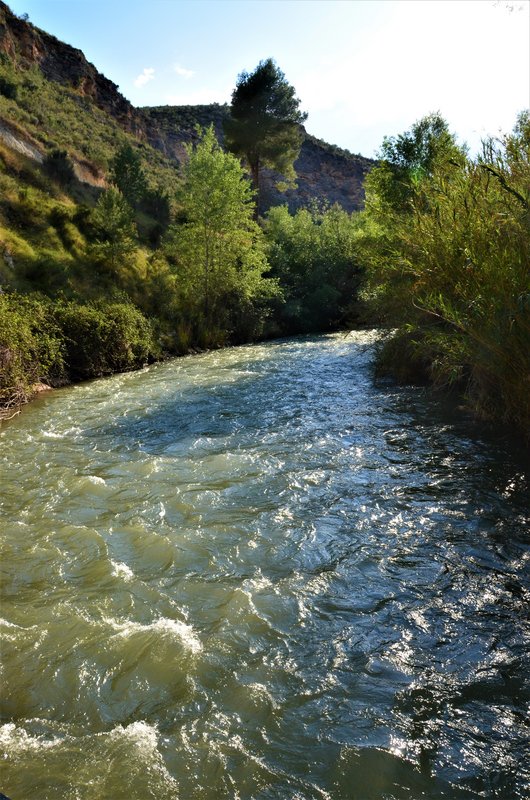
(254, 573)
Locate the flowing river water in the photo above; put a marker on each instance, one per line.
(257, 574)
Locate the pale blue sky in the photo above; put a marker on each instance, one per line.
(362, 68)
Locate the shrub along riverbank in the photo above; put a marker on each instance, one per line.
(446, 247)
(65, 341)
(103, 282)
(88, 292)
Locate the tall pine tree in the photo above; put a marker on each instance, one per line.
(265, 123)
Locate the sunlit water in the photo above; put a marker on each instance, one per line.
(256, 574)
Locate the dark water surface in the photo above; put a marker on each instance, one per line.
(254, 574)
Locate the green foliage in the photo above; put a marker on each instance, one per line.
(59, 167)
(406, 161)
(62, 219)
(127, 174)
(61, 117)
(313, 254)
(42, 340)
(157, 205)
(218, 252)
(187, 119)
(451, 270)
(419, 150)
(265, 121)
(30, 348)
(104, 338)
(115, 233)
(8, 88)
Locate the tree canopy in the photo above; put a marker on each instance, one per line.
(115, 238)
(409, 158)
(264, 127)
(218, 251)
(128, 175)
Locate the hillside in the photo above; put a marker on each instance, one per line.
(324, 171)
(107, 258)
(79, 99)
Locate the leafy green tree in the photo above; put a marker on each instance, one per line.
(127, 175)
(409, 158)
(264, 127)
(313, 254)
(397, 190)
(218, 251)
(115, 232)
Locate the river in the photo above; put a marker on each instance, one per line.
(258, 574)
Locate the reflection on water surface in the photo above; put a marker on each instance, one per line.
(255, 574)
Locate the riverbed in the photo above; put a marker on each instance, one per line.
(257, 573)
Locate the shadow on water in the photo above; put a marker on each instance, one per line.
(372, 774)
(350, 558)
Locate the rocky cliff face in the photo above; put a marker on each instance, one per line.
(324, 172)
(29, 46)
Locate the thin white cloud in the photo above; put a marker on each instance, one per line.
(147, 75)
(183, 72)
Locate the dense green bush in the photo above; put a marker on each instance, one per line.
(104, 338)
(313, 256)
(447, 246)
(31, 348)
(8, 88)
(56, 342)
(59, 167)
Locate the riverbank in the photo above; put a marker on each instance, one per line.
(406, 364)
(44, 343)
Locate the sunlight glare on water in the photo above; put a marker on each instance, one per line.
(255, 573)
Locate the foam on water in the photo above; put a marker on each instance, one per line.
(257, 574)
(122, 571)
(172, 628)
(15, 741)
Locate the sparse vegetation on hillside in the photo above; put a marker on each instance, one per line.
(335, 149)
(185, 121)
(59, 117)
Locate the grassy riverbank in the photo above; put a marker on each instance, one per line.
(66, 341)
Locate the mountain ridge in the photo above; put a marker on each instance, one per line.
(325, 173)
